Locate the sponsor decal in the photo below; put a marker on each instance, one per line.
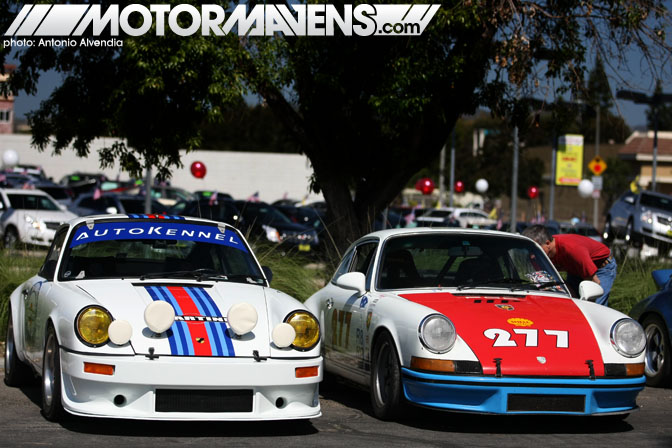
(93, 25)
(505, 307)
(364, 302)
(197, 319)
(368, 319)
(520, 322)
(107, 231)
(541, 359)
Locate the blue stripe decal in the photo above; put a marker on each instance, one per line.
(223, 339)
(227, 338)
(170, 333)
(182, 328)
(216, 330)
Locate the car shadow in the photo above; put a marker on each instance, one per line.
(153, 428)
(355, 397)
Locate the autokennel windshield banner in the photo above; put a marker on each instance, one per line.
(84, 24)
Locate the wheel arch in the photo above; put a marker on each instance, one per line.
(656, 313)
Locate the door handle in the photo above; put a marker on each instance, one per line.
(330, 303)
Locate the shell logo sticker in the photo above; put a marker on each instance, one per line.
(520, 322)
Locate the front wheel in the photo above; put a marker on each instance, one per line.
(657, 362)
(11, 238)
(52, 407)
(386, 389)
(16, 372)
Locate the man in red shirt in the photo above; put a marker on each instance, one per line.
(581, 257)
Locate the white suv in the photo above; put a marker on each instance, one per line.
(29, 217)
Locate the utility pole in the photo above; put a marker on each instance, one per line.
(596, 200)
(514, 183)
(452, 168)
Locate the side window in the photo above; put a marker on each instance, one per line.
(363, 257)
(345, 265)
(48, 269)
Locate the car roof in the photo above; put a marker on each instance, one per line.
(142, 217)
(384, 234)
(22, 191)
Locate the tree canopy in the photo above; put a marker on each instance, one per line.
(369, 112)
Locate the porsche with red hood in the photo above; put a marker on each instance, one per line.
(161, 318)
(474, 321)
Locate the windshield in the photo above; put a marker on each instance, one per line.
(663, 203)
(150, 249)
(32, 202)
(464, 261)
(263, 214)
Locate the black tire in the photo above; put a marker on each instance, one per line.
(11, 238)
(16, 372)
(52, 406)
(657, 361)
(386, 390)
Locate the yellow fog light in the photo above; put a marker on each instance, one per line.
(307, 330)
(91, 325)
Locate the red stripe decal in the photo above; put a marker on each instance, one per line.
(197, 331)
(532, 335)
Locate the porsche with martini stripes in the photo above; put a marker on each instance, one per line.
(474, 321)
(161, 317)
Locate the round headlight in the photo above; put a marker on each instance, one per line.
(91, 325)
(437, 333)
(307, 330)
(627, 338)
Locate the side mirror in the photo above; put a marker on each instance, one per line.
(355, 281)
(111, 210)
(589, 290)
(267, 273)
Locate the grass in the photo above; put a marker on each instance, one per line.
(15, 268)
(300, 276)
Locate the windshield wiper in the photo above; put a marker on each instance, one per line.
(198, 274)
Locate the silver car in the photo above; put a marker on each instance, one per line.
(638, 218)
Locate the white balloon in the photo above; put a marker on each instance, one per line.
(482, 185)
(585, 188)
(10, 158)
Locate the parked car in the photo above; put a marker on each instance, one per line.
(29, 217)
(223, 210)
(161, 319)
(437, 217)
(655, 315)
(265, 221)
(582, 228)
(638, 218)
(113, 203)
(474, 321)
(472, 218)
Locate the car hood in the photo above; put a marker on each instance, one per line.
(200, 328)
(521, 335)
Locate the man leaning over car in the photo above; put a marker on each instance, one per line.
(581, 257)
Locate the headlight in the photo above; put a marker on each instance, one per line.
(307, 330)
(91, 325)
(272, 234)
(647, 217)
(437, 333)
(35, 223)
(627, 338)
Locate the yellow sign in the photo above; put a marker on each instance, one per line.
(569, 160)
(597, 166)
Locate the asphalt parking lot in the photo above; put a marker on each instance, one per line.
(346, 421)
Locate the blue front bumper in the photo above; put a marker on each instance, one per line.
(515, 395)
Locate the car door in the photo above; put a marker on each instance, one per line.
(35, 297)
(345, 315)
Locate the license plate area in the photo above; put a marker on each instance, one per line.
(546, 403)
(190, 400)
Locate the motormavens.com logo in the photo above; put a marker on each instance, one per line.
(66, 24)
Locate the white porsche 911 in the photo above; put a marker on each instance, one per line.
(474, 321)
(161, 317)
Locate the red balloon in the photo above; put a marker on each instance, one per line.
(532, 192)
(198, 170)
(459, 186)
(425, 185)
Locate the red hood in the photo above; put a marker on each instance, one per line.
(532, 335)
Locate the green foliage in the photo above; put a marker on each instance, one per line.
(14, 270)
(634, 282)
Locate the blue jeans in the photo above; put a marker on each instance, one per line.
(606, 274)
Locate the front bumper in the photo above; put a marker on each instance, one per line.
(516, 395)
(276, 393)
